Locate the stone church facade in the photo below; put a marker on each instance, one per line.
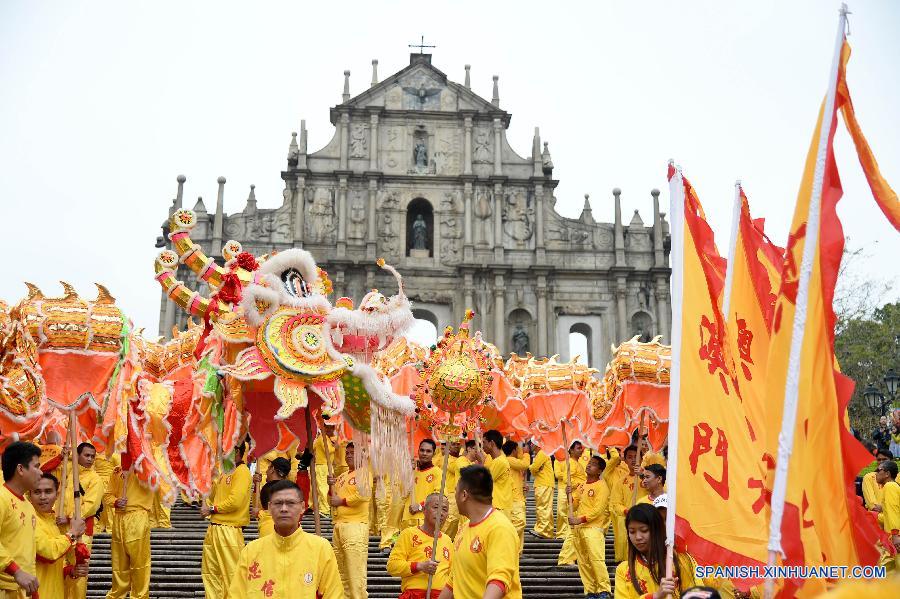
(419, 171)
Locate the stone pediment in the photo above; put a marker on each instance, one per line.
(421, 87)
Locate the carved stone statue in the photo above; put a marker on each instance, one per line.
(641, 325)
(482, 150)
(420, 233)
(357, 217)
(359, 148)
(483, 212)
(520, 340)
(421, 154)
(321, 221)
(518, 215)
(387, 236)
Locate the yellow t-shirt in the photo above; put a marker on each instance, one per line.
(17, 531)
(890, 507)
(542, 470)
(871, 490)
(140, 496)
(591, 504)
(486, 551)
(503, 482)
(625, 588)
(426, 482)
(518, 467)
(412, 547)
(93, 486)
(301, 566)
(356, 507)
(452, 474)
(231, 498)
(51, 547)
(265, 522)
(579, 476)
(336, 451)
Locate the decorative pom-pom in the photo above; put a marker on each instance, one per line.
(380, 262)
(247, 261)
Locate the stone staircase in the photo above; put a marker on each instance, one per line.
(176, 561)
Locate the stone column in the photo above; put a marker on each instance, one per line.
(345, 139)
(662, 309)
(659, 259)
(468, 291)
(467, 153)
(498, 215)
(499, 314)
(371, 235)
(619, 234)
(539, 215)
(219, 219)
(467, 218)
(541, 292)
(373, 142)
(342, 215)
(300, 211)
(621, 292)
(498, 154)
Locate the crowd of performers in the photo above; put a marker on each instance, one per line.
(481, 517)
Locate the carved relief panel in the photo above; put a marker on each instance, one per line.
(320, 221)
(394, 154)
(357, 213)
(447, 151)
(359, 141)
(518, 217)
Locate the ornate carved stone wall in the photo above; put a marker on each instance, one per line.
(419, 143)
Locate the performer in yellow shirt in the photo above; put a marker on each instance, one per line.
(104, 467)
(486, 559)
(411, 558)
(500, 471)
(518, 465)
(21, 466)
(890, 507)
(468, 457)
(228, 509)
(278, 469)
(290, 564)
(51, 545)
(871, 490)
(620, 477)
(544, 482)
(93, 488)
(335, 452)
(590, 520)
(643, 573)
(426, 480)
(351, 526)
(567, 555)
(451, 522)
(131, 501)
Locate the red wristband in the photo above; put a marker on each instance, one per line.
(499, 584)
(895, 532)
(344, 502)
(584, 520)
(414, 567)
(12, 568)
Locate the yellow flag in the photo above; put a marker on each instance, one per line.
(717, 460)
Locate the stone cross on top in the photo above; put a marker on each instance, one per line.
(421, 45)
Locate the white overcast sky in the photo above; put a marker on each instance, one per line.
(103, 104)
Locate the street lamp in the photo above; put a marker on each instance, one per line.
(891, 381)
(873, 399)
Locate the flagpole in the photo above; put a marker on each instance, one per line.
(732, 249)
(676, 193)
(792, 386)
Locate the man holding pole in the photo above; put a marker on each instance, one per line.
(427, 480)
(91, 491)
(351, 527)
(326, 450)
(568, 469)
(228, 510)
(501, 472)
(131, 501)
(51, 545)
(412, 561)
(541, 469)
(591, 518)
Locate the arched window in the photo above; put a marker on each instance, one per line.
(424, 331)
(642, 326)
(420, 226)
(521, 331)
(580, 343)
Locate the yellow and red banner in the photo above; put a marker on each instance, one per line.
(719, 475)
(823, 521)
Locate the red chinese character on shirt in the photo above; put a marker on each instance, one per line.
(744, 342)
(428, 553)
(711, 350)
(703, 434)
(268, 588)
(765, 495)
(253, 571)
